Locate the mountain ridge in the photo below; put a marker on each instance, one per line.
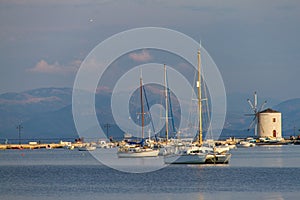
(47, 113)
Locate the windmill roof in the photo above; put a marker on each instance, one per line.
(269, 110)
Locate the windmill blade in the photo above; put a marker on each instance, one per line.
(255, 99)
(252, 123)
(250, 103)
(262, 106)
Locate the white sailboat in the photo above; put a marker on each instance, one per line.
(195, 154)
(190, 155)
(198, 154)
(138, 150)
(166, 147)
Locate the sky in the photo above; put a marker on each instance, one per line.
(255, 44)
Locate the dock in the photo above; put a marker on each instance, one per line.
(37, 146)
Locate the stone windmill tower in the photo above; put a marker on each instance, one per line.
(269, 123)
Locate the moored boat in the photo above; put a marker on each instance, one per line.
(87, 148)
(245, 144)
(192, 155)
(216, 158)
(199, 154)
(137, 152)
(138, 149)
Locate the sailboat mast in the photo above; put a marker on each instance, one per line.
(166, 103)
(142, 106)
(199, 99)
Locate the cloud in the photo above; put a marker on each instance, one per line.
(55, 2)
(45, 68)
(143, 56)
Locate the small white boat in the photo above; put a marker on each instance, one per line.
(221, 149)
(137, 152)
(69, 147)
(102, 144)
(87, 148)
(245, 144)
(270, 140)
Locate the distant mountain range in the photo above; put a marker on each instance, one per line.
(46, 113)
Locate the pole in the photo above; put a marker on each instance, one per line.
(107, 126)
(199, 99)
(142, 106)
(19, 127)
(256, 113)
(166, 103)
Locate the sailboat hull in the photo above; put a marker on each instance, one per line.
(218, 158)
(185, 159)
(138, 154)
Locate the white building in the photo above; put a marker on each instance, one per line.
(269, 123)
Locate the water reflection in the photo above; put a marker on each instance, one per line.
(266, 156)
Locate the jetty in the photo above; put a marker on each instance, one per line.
(36, 146)
(67, 145)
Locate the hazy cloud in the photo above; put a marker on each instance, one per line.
(46, 68)
(51, 2)
(143, 56)
(231, 31)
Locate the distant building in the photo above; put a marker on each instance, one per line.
(269, 123)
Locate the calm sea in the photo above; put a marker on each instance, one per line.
(253, 173)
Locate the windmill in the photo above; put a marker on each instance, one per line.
(256, 112)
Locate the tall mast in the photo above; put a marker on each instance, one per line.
(255, 111)
(166, 103)
(199, 98)
(142, 105)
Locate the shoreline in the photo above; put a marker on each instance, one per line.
(76, 145)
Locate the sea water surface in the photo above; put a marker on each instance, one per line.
(253, 173)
